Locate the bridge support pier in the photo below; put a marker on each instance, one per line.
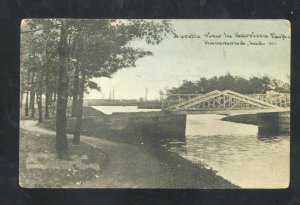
(273, 123)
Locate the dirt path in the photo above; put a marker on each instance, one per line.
(127, 165)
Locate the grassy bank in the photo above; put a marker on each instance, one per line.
(32, 143)
(122, 166)
(182, 173)
(243, 118)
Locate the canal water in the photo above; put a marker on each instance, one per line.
(233, 150)
(110, 109)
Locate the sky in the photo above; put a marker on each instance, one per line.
(178, 59)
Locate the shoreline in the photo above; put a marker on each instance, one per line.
(192, 178)
(132, 166)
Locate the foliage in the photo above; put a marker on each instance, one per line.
(235, 83)
(63, 55)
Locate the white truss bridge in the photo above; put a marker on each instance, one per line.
(223, 101)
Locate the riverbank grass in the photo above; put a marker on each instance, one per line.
(40, 168)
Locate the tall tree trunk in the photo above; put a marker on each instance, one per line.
(76, 137)
(21, 90)
(55, 95)
(32, 95)
(47, 100)
(40, 107)
(32, 107)
(27, 92)
(26, 103)
(47, 94)
(54, 101)
(21, 99)
(62, 96)
(75, 91)
(37, 99)
(50, 103)
(40, 94)
(21, 96)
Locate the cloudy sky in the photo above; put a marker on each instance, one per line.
(178, 59)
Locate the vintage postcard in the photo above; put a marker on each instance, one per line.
(109, 103)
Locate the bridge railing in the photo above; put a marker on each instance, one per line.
(278, 99)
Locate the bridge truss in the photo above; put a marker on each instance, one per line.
(222, 100)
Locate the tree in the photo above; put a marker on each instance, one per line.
(75, 91)
(27, 93)
(102, 48)
(62, 95)
(226, 82)
(64, 55)
(141, 99)
(28, 70)
(39, 46)
(24, 83)
(278, 86)
(258, 85)
(235, 83)
(241, 85)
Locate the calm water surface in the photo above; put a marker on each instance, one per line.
(234, 150)
(110, 109)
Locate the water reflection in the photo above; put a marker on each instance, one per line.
(235, 151)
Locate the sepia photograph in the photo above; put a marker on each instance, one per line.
(154, 103)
